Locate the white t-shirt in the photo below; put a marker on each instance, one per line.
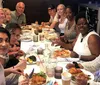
(55, 18)
(51, 19)
(2, 77)
(62, 26)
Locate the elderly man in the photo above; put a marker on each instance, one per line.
(18, 15)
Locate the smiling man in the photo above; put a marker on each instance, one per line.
(18, 15)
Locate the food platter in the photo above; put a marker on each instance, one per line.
(82, 73)
(62, 53)
(31, 59)
(88, 73)
(38, 79)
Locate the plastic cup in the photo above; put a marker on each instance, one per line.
(35, 38)
(39, 51)
(50, 71)
(66, 78)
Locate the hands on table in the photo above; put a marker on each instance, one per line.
(19, 68)
(61, 41)
(22, 64)
(25, 80)
(74, 54)
(57, 41)
(80, 80)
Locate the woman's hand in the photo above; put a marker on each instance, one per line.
(13, 51)
(74, 54)
(22, 64)
(57, 42)
(16, 53)
(19, 68)
(19, 53)
(24, 80)
(62, 38)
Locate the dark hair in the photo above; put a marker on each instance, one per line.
(3, 30)
(80, 15)
(70, 7)
(51, 6)
(12, 26)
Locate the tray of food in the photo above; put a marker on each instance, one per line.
(82, 73)
(31, 59)
(38, 79)
(62, 53)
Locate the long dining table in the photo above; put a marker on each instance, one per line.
(30, 47)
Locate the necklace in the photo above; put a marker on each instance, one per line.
(86, 35)
(83, 38)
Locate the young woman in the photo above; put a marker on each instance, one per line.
(14, 51)
(70, 31)
(62, 20)
(7, 13)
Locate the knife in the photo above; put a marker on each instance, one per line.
(31, 74)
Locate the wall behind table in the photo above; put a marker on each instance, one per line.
(75, 3)
(35, 10)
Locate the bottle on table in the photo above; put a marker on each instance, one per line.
(47, 53)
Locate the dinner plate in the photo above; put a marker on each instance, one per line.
(88, 73)
(26, 39)
(31, 63)
(72, 59)
(33, 60)
(91, 76)
(25, 31)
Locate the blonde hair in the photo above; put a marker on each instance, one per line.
(2, 9)
(62, 6)
(6, 9)
(6, 12)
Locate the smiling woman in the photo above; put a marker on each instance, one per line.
(88, 40)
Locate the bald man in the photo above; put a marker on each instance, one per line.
(18, 15)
